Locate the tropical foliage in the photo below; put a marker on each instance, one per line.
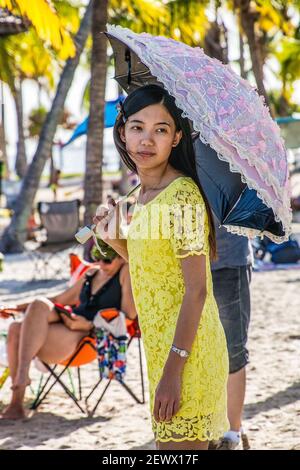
(45, 21)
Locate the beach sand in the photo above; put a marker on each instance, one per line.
(272, 409)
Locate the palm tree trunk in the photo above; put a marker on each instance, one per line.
(21, 160)
(124, 185)
(242, 57)
(248, 19)
(15, 234)
(3, 154)
(94, 147)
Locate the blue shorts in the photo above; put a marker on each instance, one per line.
(232, 294)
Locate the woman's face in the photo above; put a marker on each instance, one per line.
(111, 268)
(149, 136)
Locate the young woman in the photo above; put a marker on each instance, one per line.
(169, 260)
(53, 337)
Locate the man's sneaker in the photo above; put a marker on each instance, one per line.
(227, 444)
(245, 441)
(212, 445)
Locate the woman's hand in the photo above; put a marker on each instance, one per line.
(107, 221)
(167, 397)
(7, 311)
(77, 322)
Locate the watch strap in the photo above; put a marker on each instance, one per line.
(180, 352)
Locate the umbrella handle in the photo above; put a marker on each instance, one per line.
(85, 233)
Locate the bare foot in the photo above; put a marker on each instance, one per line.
(13, 412)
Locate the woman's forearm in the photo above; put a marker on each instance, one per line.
(186, 328)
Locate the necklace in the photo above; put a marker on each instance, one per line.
(151, 189)
(143, 200)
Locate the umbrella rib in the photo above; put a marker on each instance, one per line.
(235, 204)
(145, 72)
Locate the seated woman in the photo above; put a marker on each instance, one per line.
(53, 337)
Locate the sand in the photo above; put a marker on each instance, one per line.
(272, 409)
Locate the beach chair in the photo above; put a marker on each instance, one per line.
(86, 353)
(59, 223)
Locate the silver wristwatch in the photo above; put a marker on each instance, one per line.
(180, 352)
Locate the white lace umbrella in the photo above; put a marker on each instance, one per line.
(233, 124)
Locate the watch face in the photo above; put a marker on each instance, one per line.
(182, 354)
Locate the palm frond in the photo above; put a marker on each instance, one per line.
(45, 21)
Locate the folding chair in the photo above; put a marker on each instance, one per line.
(77, 267)
(60, 222)
(84, 354)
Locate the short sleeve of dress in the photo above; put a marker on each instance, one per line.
(189, 223)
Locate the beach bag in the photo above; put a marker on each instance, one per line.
(284, 253)
(112, 340)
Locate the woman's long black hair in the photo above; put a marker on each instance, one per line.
(182, 157)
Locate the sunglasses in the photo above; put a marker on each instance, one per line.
(107, 260)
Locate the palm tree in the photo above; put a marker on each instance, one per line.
(184, 20)
(94, 146)
(9, 74)
(260, 22)
(215, 39)
(287, 53)
(144, 12)
(27, 56)
(15, 234)
(21, 57)
(248, 18)
(9, 25)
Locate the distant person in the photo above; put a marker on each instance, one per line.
(53, 337)
(55, 182)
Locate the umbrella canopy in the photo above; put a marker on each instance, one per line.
(239, 147)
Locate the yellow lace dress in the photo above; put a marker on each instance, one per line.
(158, 289)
